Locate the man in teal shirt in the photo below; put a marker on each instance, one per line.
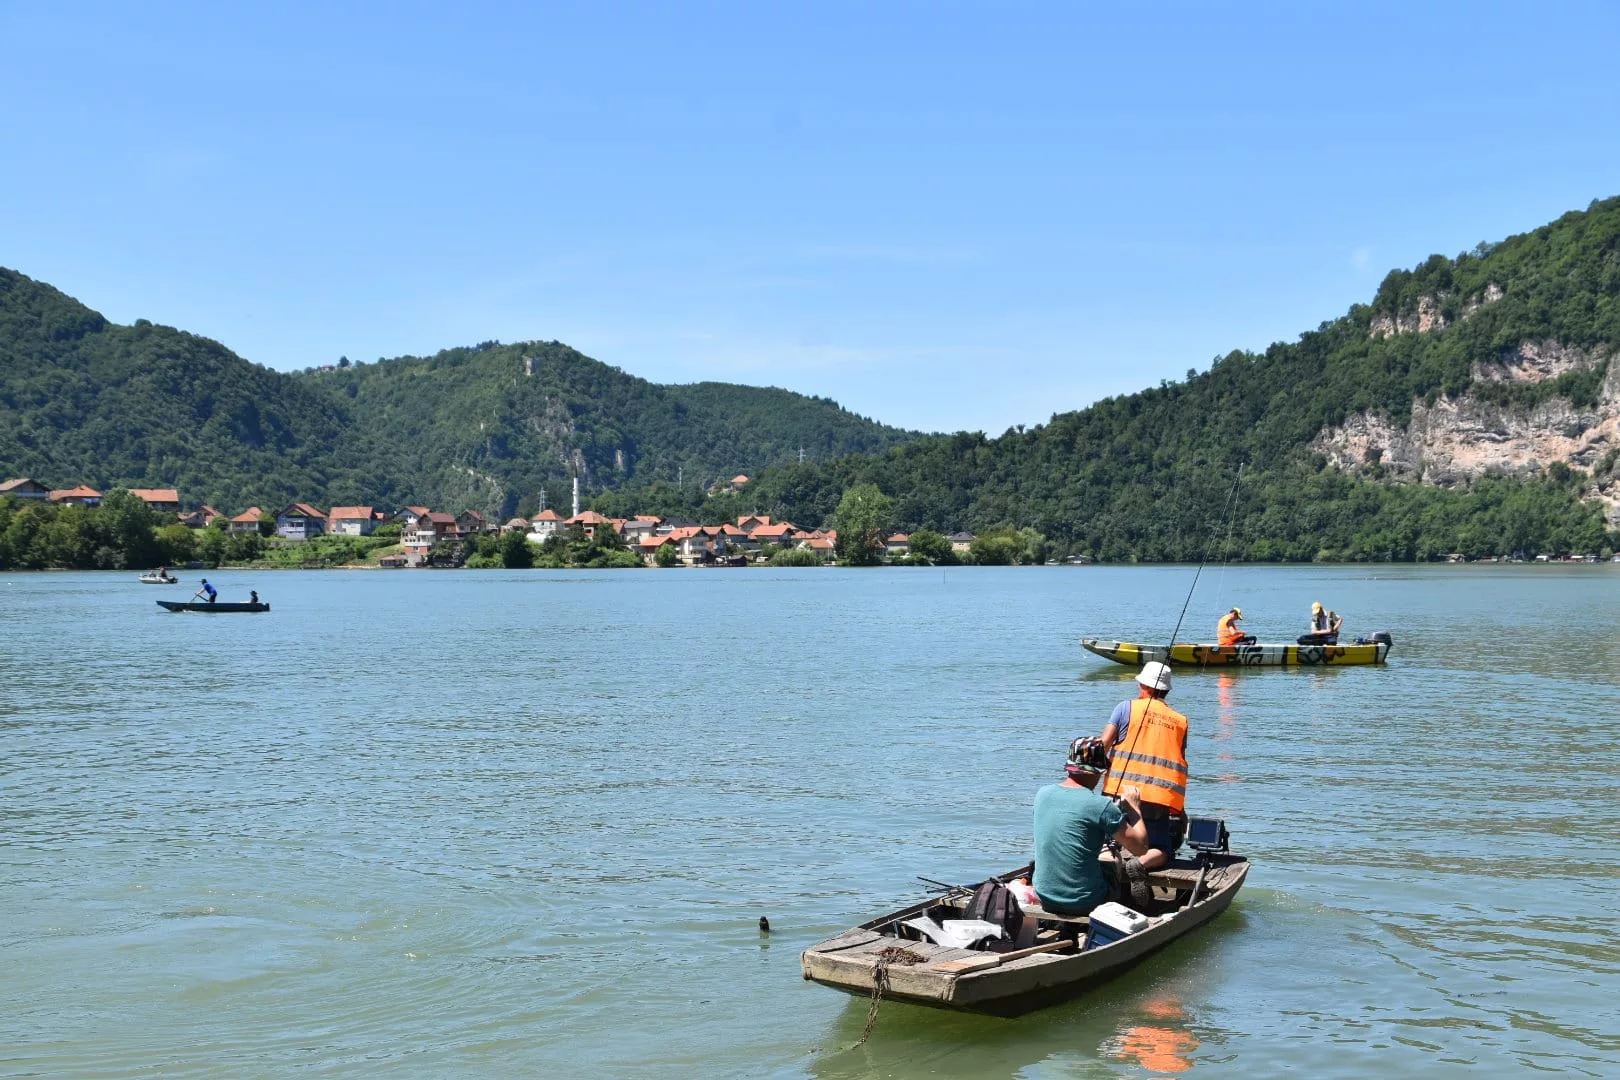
(1072, 823)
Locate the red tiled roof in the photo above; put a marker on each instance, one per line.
(657, 541)
(80, 492)
(548, 514)
(647, 517)
(305, 509)
(781, 528)
(739, 479)
(899, 538)
(156, 494)
(519, 522)
(820, 543)
(589, 517)
(419, 511)
(441, 518)
(252, 513)
(13, 485)
(346, 513)
(729, 529)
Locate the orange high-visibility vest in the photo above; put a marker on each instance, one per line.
(1225, 632)
(1151, 756)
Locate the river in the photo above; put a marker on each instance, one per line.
(501, 823)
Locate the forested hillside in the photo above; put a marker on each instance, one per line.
(1145, 475)
(85, 400)
(488, 426)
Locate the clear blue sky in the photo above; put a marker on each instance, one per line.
(943, 216)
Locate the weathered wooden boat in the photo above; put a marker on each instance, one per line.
(1259, 655)
(155, 579)
(885, 952)
(217, 608)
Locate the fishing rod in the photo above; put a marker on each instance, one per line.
(1136, 729)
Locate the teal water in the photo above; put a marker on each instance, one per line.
(500, 823)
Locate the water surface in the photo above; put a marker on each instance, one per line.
(505, 823)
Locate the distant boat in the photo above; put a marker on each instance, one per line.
(214, 608)
(890, 948)
(157, 579)
(1260, 655)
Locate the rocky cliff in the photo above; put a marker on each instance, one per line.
(1452, 440)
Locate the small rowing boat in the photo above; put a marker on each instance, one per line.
(903, 963)
(157, 579)
(216, 608)
(1261, 655)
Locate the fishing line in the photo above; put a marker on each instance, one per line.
(1137, 726)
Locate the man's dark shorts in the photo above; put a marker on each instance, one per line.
(1165, 830)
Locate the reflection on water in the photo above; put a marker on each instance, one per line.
(510, 823)
(1160, 1042)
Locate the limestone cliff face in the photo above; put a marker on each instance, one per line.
(1430, 314)
(1459, 439)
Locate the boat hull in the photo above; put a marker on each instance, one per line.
(849, 961)
(1261, 655)
(159, 581)
(217, 608)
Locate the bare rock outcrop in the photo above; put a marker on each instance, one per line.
(1458, 439)
(1430, 315)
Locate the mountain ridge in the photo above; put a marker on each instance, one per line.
(85, 399)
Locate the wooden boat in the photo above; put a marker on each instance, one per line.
(153, 579)
(1055, 967)
(218, 607)
(1260, 655)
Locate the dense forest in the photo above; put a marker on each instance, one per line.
(1143, 476)
(83, 400)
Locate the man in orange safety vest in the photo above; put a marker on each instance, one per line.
(1149, 743)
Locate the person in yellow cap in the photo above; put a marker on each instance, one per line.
(1228, 633)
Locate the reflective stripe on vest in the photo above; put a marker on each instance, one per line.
(1154, 759)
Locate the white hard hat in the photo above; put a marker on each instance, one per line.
(1155, 676)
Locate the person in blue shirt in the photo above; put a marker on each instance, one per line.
(209, 591)
(1073, 823)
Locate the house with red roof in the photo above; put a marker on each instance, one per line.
(351, 521)
(200, 518)
(636, 529)
(544, 525)
(429, 529)
(898, 544)
(590, 521)
(159, 498)
(517, 524)
(300, 521)
(648, 547)
(77, 496)
(247, 521)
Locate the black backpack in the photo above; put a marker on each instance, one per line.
(994, 903)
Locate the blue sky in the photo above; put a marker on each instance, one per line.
(944, 216)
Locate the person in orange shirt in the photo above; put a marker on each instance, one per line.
(1227, 631)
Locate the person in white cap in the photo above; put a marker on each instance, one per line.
(1149, 743)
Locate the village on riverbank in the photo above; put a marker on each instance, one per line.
(301, 534)
(81, 527)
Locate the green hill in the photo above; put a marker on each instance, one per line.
(1470, 407)
(85, 400)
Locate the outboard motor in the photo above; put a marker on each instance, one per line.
(1382, 638)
